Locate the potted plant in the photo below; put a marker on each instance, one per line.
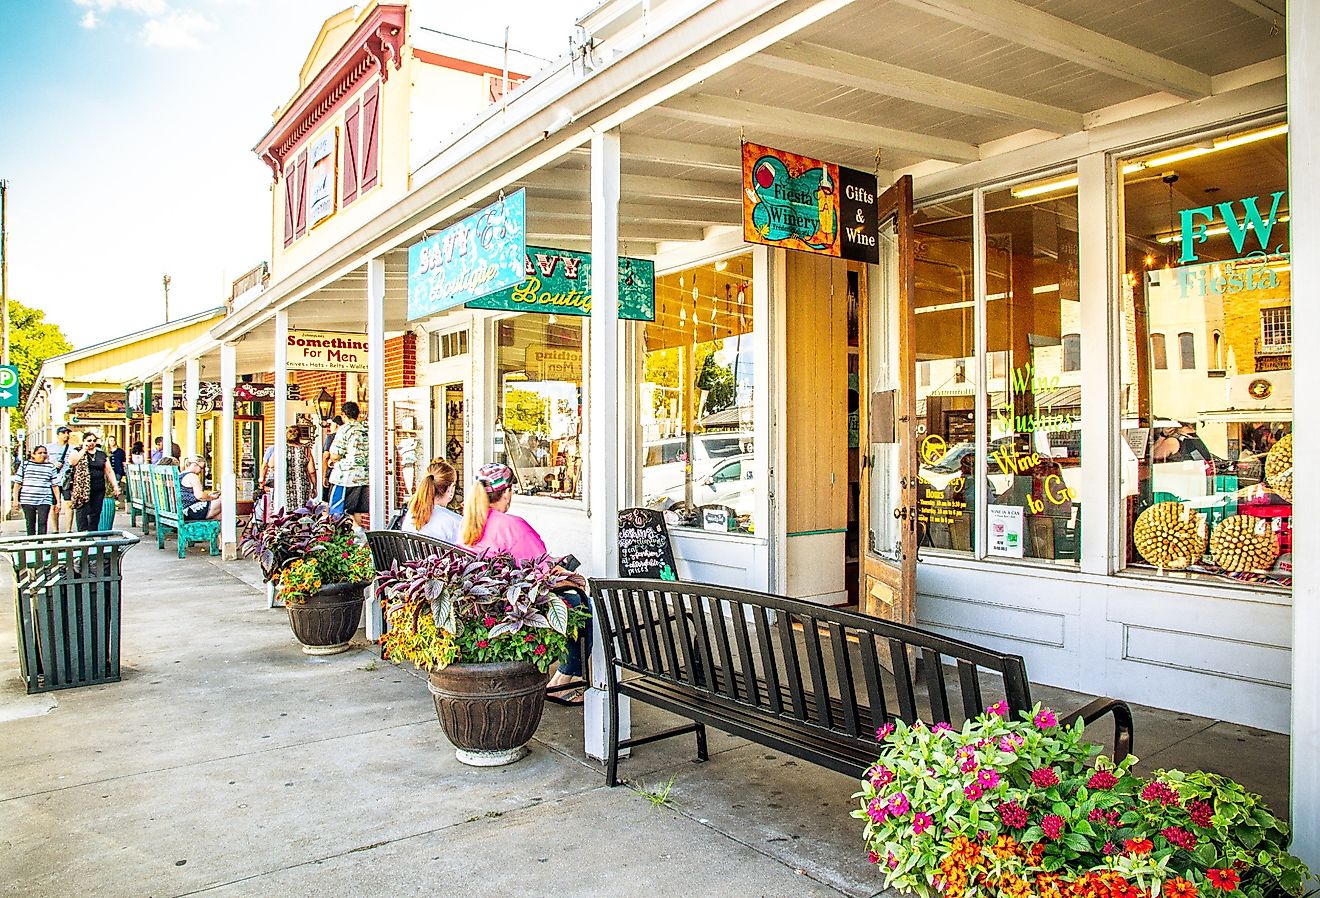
(1013, 808)
(320, 571)
(487, 630)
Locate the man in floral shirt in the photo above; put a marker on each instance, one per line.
(349, 478)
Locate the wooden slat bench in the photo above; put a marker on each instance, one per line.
(165, 480)
(810, 681)
(140, 500)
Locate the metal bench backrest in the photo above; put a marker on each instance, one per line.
(390, 546)
(762, 651)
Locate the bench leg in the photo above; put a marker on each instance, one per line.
(183, 546)
(215, 542)
(612, 763)
(702, 754)
(160, 536)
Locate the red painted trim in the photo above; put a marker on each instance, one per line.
(377, 42)
(370, 138)
(462, 65)
(350, 162)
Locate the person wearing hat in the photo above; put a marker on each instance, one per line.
(488, 527)
(58, 453)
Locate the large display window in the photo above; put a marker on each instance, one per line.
(1206, 386)
(698, 461)
(538, 423)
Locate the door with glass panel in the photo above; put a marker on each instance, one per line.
(889, 476)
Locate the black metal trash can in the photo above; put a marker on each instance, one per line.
(68, 604)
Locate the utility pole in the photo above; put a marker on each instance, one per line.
(4, 321)
(166, 281)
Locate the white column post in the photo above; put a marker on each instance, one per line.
(1304, 185)
(376, 417)
(603, 420)
(280, 456)
(167, 411)
(192, 387)
(228, 485)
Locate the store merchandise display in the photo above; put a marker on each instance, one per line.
(1279, 467)
(1242, 543)
(1170, 535)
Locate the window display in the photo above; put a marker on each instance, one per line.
(1206, 448)
(695, 405)
(539, 403)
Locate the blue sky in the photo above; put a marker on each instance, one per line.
(126, 129)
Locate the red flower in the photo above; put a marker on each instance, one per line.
(1139, 846)
(1179, 837)
(483, 643)
(873, 858)
(1012, 814)
(1102, 779)
(539, 650)
(1052, 826)
(529, 638)
(1163, 793)
(1044, 777)
(1200, 812)
(1226, 879)
(1179, 888)
(488, 621)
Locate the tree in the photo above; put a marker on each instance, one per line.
(32, 340)
(717, 380)
(524, 412)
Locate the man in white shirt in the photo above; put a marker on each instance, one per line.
(58, 454)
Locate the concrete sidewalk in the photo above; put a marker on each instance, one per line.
(228, 763)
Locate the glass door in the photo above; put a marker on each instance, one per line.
(888, 486)
(449, 433)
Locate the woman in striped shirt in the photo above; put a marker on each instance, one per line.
(35, 489)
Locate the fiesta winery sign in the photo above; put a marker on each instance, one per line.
(327, 351)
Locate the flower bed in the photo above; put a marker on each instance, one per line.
(1014, 809)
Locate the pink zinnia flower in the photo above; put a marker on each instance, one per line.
(921, 822)
(881, 776)
(968, 766)
(877, 810)
(941, 727)
(1044, 777)
(899, 804)
(973, 791)
(1102, 779)
(1052, 826)
(891, 860)
(1010, 743)
(1045, 719)
(988, 778)
(999, 709)
(883, 732)
(873, 857)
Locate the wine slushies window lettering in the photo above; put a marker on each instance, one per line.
(1027, 379)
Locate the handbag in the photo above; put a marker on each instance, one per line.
(82, 483)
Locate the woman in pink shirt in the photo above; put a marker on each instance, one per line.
(488, 527)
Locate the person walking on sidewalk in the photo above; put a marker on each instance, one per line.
(91, 474)
(57, 453)
(35, 489)
(350, 476)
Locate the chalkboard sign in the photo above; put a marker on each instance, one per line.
(644, 549)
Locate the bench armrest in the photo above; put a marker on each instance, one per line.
(1097, 708)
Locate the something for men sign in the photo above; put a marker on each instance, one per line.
(327, 351)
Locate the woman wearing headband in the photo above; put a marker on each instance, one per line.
(427, 511)
(488, 526)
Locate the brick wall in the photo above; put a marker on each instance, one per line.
(401, 361)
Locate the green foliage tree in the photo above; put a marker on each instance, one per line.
(524, 412)
(718, 382)
(32, 340)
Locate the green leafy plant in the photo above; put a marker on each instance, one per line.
(456, 607)
(658, 795)
(1015, 809)
(307, 548)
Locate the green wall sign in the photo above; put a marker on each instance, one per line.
(559, 283)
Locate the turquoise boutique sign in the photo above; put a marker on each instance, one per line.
(558, 282)
(482, 253)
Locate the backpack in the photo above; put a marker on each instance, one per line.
(65, 476)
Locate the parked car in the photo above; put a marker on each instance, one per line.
(663, 461)
(730, 483)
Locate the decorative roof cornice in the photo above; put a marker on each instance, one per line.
(372, 47)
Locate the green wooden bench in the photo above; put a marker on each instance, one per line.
(165, 480)
(140, 500)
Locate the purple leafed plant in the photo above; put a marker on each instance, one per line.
(290, 535)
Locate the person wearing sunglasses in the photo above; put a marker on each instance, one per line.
(91, 474)
(36, 490)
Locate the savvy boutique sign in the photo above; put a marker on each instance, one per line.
(796, 202)
(559, 283)
(477, 256)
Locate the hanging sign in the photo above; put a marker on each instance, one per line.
(482, 253)
(644, 548)
(326, 351)
(324, 170)
(558, 282)
(796, 202)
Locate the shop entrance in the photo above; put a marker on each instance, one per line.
(449, 432)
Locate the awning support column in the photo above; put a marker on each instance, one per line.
(227, 476)
(376, 419)
(603, 420)
(278, 439)
(192, 388)
(167, 411)
(1304, 185)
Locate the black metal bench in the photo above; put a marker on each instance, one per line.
(810, 681)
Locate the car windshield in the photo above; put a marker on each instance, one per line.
(723, 447)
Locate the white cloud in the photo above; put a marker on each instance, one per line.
(176, 29)
(89, 19)
(141, 7)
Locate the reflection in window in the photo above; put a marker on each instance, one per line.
(1072, 352)
(696, 398)
(1206, 462)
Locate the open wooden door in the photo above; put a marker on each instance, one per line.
(888, 488)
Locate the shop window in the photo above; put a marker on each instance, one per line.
(1159, 354)
(1206, 463)
(695, 399)
(539, 403)
(1186, 351)
(448, 345)
(1072, 352)
(945, 303)
(1033, 320)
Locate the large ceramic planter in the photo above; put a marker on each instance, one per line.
(326, 622)
(489, 711)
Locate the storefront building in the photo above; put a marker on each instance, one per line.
(1080, 301)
